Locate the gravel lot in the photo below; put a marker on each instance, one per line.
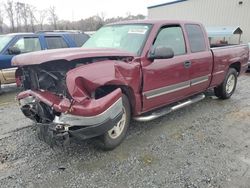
(203, 145)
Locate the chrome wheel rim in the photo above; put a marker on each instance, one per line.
(230, 84)
(117, 130)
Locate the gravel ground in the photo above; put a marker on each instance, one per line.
(204, 145)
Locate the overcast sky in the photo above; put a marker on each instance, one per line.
(77, 9)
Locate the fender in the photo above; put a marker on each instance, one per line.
(83, 81)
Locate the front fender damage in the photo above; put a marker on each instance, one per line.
(70, 118)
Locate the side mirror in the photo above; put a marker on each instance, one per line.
(160, 52)
(14, 51)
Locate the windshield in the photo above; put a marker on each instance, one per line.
(4, 40)
(129, 37)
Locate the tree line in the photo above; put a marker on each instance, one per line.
(16, 16)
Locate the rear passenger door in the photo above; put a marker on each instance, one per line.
(201, 61)
(55, 42)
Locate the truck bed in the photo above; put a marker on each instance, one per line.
(226, 55)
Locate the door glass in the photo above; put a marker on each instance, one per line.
(4, 40)
(79, 38)
(28, 44)
(171, 37)
(196, 38)
(55, 42)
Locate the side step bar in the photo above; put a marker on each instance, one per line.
(168, 109)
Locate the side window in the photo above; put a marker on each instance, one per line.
(171, 37)
(28, 44)
(54, 42)
(196, 38)
(79, 39)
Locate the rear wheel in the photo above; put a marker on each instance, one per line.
(227, 88)
(112, 138)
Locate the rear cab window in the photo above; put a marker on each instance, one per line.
(196, 38)
(171, 37)
(54, 42)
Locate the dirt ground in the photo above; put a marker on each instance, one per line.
(204, 145)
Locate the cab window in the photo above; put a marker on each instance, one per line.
(196, 38)
(171, 37)
(54, 42)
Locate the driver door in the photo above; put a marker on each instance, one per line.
(167, 80)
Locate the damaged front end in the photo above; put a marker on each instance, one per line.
(58, 118)
(74, 93)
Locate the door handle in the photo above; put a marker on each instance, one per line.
(187, 64)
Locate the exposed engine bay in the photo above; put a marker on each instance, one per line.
(51, 76)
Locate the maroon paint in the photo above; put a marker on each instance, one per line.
(84, 80)
(34, 58)
(88, 107)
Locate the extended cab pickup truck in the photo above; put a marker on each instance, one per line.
(135, 69)
(19, 43)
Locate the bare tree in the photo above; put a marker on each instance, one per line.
(1, 20)
(18, 7)
(102, 15)
(24, 11)
(42, 16)
(53, 18)
(32, 18)
(9, 7)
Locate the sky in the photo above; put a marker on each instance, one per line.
(79, 9)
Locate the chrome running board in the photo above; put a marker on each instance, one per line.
(163, 111)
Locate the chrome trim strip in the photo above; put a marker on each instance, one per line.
(166, 90)
(199, 80)
(72, 120)
(175, 87)
(219, 72)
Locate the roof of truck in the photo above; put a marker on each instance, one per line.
(155, 21)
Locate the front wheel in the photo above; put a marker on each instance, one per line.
(112, 138)
(227, 88)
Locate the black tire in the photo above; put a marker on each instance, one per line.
(106, 142)
(221, 91)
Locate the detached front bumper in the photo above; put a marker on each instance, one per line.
(82, 128)
(70, 124)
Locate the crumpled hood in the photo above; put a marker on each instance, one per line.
(66, 54)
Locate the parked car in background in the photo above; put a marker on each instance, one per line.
(136, 69)
(19, 43)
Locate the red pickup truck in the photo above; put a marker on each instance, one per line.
(135, 69)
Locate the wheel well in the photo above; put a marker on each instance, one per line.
(106, 89)
(236, 66)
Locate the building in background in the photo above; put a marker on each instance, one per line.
(212, 13)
